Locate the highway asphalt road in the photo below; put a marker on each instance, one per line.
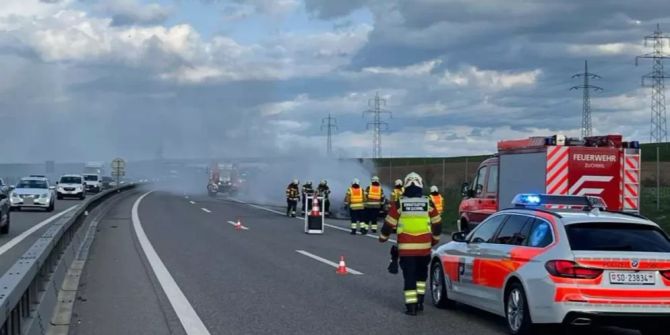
(266, 279)
(26, 227)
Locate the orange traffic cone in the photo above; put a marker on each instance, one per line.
(238, 225)
(342, 268)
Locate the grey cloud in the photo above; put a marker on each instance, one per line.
(125, 13)
(329, 9)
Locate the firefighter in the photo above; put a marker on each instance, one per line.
(397, 191)
(324, 191)
(437, 199)
(292, 197)
(374, 195)
(307, 191)
(355, 200)
(418, 226)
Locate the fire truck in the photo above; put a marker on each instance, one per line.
(603, 166)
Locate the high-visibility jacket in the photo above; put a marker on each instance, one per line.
(438, 201)
(355, 198)
(374, 196)
(397, 193)
(417, 223)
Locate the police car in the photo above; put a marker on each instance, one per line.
(559, 260)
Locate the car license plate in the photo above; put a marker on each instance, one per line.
(633, 278)
(28, 201)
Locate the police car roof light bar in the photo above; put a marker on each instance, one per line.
(588, 202)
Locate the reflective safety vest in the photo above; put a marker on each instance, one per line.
(356, 198)
(414, 231)
(374, 199)
(438, 201)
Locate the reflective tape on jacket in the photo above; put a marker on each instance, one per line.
(356, 198)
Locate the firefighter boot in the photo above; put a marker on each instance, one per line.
(364, 229)
(411, 309)
(419, 305)
(353, 231)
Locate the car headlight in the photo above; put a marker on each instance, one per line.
(44, 195)
(15, 196)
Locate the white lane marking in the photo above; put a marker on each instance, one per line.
(192, 202)
(187, 316)
(325, 261)
(16, 240)
(303, 219)
(186, 197)
(206, 210)
(241, 226)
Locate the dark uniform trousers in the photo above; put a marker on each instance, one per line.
(415, 273)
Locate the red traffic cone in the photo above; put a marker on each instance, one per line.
(238, 225)
(342, 268)
(315, 207)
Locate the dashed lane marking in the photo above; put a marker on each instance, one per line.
(206, 210)
(325, 261)
(241, 226)
(192, 202)
(189, 319)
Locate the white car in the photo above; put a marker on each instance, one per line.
(93, 182)
(71, 186)
(583, 266)
(32, 192)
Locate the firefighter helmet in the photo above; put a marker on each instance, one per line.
(324, 182)
(296, 181)
(308, 183)
(413, 179)
(398, 182)
(375, 179)
(355, 182)
(433, 189)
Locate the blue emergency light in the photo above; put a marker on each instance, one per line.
(536, 200)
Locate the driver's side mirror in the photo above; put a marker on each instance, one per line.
(3, 196)
(459, 236)
(465, 189)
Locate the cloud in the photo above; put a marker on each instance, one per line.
(421, 69)
(130, 12)
(490, 79)
(328, 9)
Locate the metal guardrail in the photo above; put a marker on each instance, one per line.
(29, 289)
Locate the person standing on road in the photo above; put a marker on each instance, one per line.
(355, 200)
(418, 225)
(324, 191)
(307, 191)
(397, 191)
(437, 199)
(292, 197)
(374, 195)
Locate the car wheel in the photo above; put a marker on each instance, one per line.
(51, 207)
(82, 196)
(59, 197)
(517, 312)
(438, 287)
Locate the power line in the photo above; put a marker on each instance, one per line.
(587, 126)
(376, 109)
(329, 123)
(659, 124)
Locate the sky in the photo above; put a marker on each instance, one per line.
(95, 79)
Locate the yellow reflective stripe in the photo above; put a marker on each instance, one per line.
(436, 238)
(435, 219)
(414, 246)
(391, 220)
(374, 227)
(353, 225)
(383, 237)
(364, 225)
(411, 297)
(421, 287)
(356, 206)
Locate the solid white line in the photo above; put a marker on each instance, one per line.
(187, 316)
(325, 261)
(16, 240)
(206, 210)
(192, 202)
(303, 219)
(241, 226)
